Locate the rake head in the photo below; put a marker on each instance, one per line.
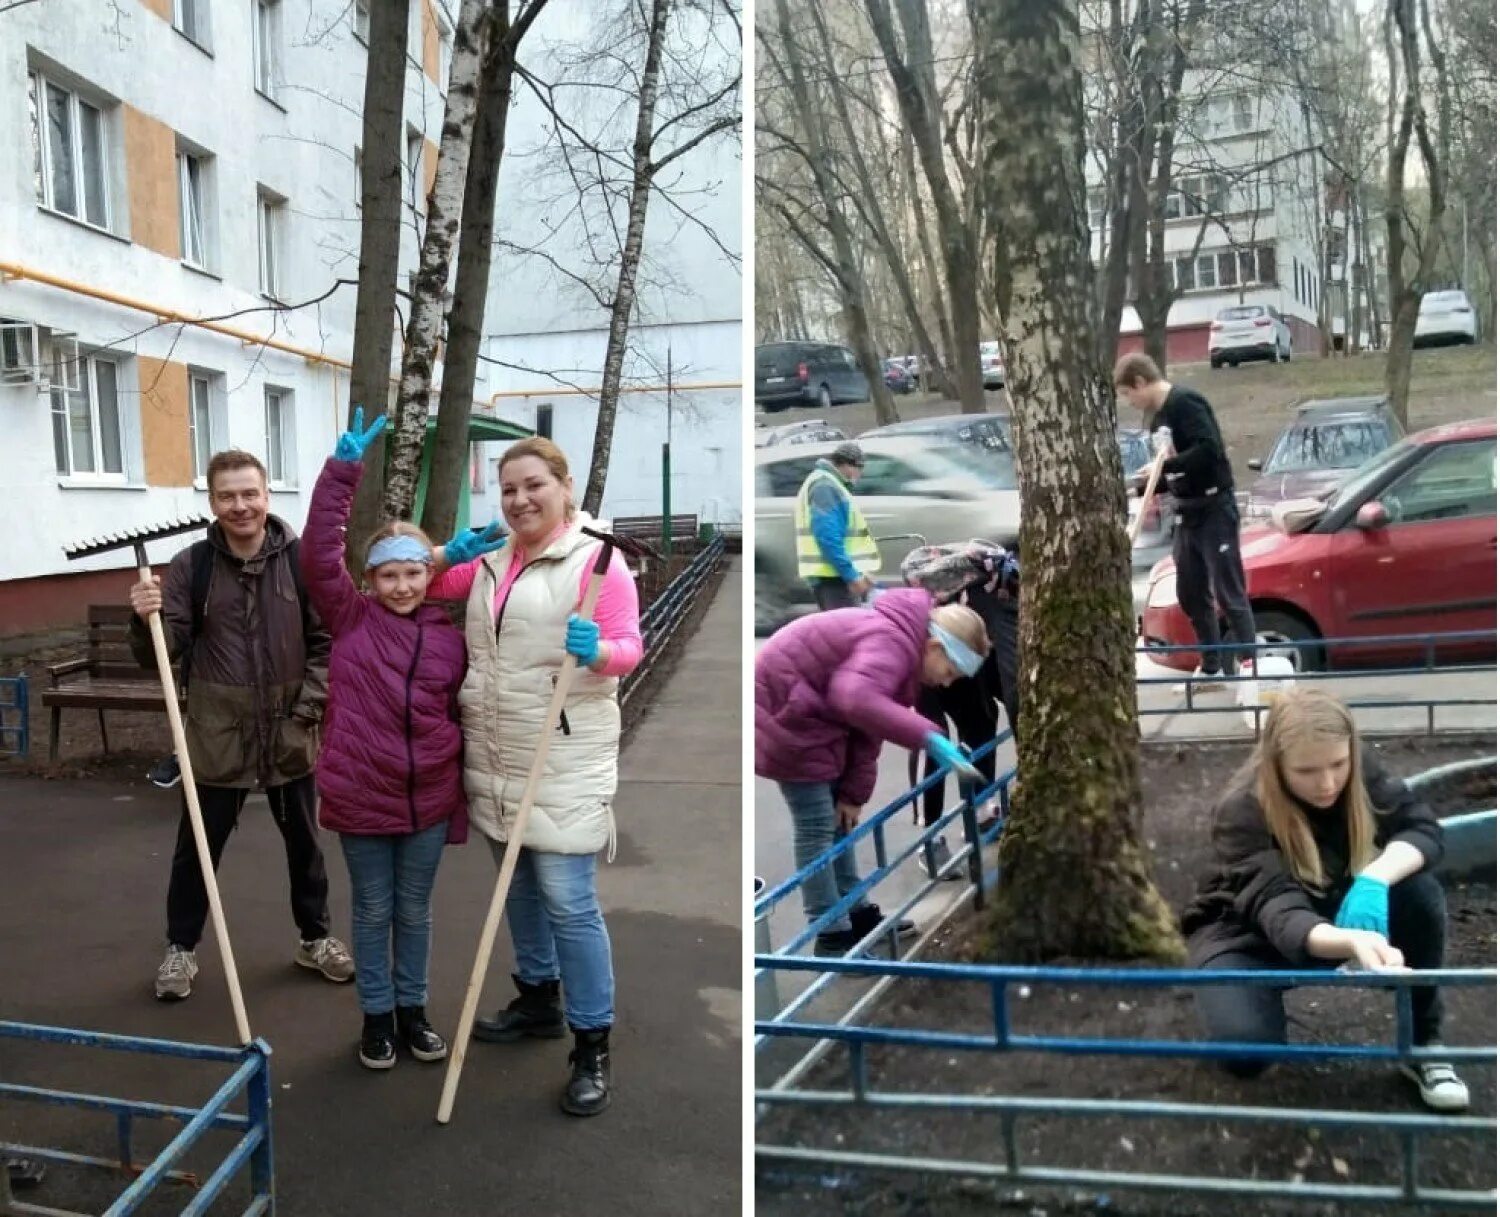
(631, 547)
(134, 537)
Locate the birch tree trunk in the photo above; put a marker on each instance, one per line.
(440, 241)
(1075, 879)
(379, 250)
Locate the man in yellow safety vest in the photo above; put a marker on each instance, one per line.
(835, 552)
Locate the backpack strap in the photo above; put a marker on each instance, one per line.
(202, 568)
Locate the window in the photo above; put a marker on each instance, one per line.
(785, 478)
(265, 37)
(885, 475)
(70, 168)
(1208, 271)
(86, 423)
(445, 45)
(1455, 482)
(1244, 112)
(1183, 271)
(1228, 267)
(1247, 266)
(192, 186)
(281, 453)
(361, 18)
(544, 421)
(269, 213)
(1265, 264)
(201, 422)
(1333, 445)
(190, 19)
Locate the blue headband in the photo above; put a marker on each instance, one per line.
(399, 548)
(962, 657)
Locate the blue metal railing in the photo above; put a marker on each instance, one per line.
(665, 613)
(250, 1077)
(15, 716)
(856, 1038)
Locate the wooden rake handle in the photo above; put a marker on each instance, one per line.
(1151, 480)
(195, 812)
(460, 1046)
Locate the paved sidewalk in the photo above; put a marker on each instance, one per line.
(83, 869)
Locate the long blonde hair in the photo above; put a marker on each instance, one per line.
(964, 624)
(1297, 717)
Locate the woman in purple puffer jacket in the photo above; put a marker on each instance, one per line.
(830, 689)
(389, 774)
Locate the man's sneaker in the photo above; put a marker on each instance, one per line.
(377, 1042)
(328, 956)
(174, 979)
(1441, 1089)
(941, 856)
(166, 773)
(1201, 682)
(413, 1030)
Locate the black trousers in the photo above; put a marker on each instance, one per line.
(1419, 921)
(1206, 550)
(294, 808)
(832, 594)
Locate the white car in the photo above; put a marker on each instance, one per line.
(1446, 317)
(1248, 331)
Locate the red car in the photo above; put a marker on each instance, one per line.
(1405, 545)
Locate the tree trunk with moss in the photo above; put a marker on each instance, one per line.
(1075, 880)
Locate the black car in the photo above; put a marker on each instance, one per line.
(807, 374)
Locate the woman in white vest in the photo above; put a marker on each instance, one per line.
(523, 595)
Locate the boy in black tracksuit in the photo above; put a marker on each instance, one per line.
(1206, 548)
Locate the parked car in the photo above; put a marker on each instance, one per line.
(807, 374)
(991, 432)
(910, 492)
(898, 379)
(812, 431)
(1405, 545)
(1248, 331)
(991, 365)
(1445, 317)
(1318, 448)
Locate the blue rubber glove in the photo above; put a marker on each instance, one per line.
(352, 444)
(946, 752)
(474, 544)
(1367, 906)
(582, 640)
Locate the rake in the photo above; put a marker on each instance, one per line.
(137, 540)
(631, 548)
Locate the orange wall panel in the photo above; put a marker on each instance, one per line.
(162, 8)
(429, 167)
(431, 61)
(151, 171)
(164, 422)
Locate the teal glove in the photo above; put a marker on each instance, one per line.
(352, 444)
(946, 752)
(583, 640)
(1367, 906)
(474, 544)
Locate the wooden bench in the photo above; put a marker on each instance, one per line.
(107, 678)
(648, 528)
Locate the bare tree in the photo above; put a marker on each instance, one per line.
(1077, 881)
(440, 241)
(471, 287)
(379, 244)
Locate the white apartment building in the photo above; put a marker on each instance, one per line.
(1242, 221)
(170, 161)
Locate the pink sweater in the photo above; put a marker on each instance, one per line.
(618, 610)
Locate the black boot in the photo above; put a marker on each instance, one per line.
(536, 1012)
(413, 1030)
(587, 1093)
(377, 1043)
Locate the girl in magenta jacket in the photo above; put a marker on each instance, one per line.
(390, 771)
(830, 690)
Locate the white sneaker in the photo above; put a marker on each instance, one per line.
(174, 979)
(1441, 1089)
(1201, 682)
(941, 856)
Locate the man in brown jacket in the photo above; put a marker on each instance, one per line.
(259, 681)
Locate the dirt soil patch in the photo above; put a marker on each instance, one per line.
(1180, 785)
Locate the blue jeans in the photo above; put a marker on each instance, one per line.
(558, 932)
(392, 879)
(815, 828)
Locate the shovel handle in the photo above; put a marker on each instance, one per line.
(460, 1046)
(195, 812)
